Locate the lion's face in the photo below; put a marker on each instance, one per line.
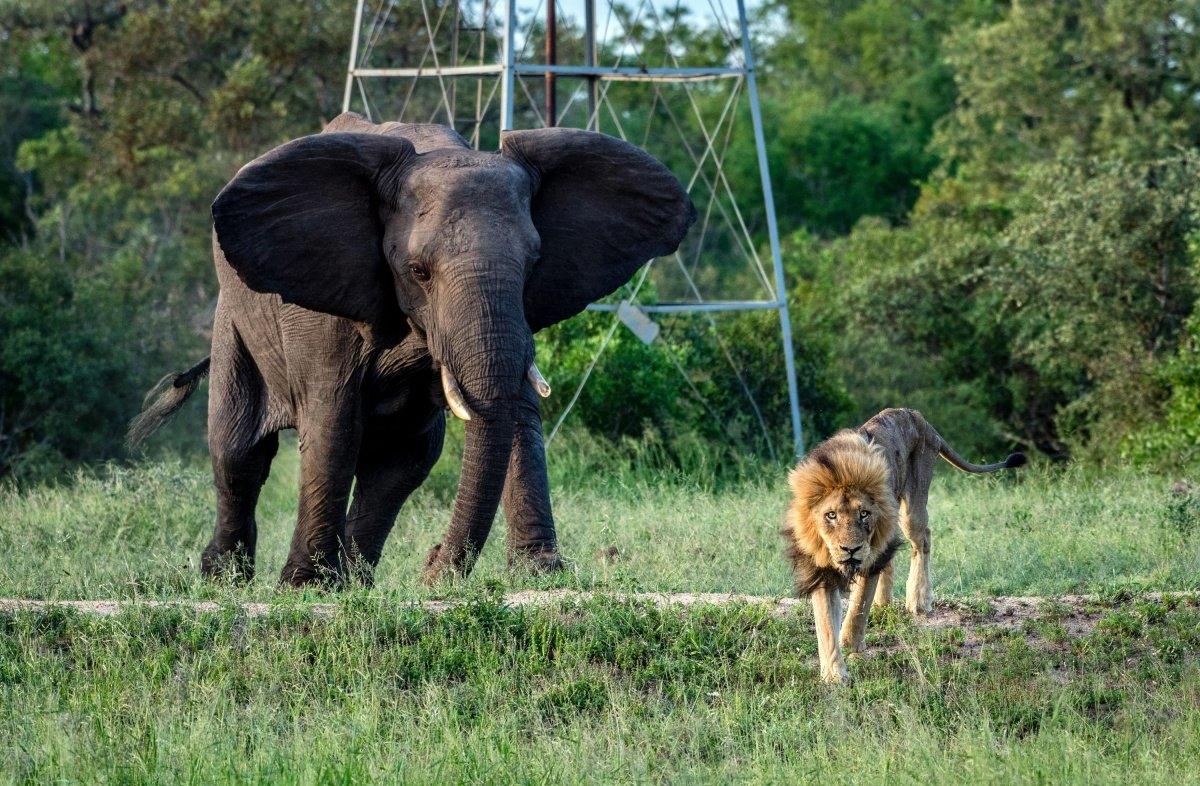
(844, 512)
(846, 520)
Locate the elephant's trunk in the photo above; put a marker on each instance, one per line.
(487, 350)
(484, 466)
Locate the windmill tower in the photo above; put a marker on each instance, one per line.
(482, 66)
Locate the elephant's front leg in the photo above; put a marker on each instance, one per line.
(531, 537)
(392, 462)
(329, 443)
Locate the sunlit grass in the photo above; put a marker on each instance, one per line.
(608, 690)
(605, 691)
(125, 532)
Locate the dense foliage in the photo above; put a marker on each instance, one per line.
(1038, 289)
(129, 118)
(988, 208)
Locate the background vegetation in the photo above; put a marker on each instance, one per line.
(989, 212)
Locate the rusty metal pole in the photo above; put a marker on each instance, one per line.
(551, 59)
(589, 59)
(453, 62)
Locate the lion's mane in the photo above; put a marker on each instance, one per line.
(846, 460)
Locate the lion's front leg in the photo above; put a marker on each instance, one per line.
(827, 613)
(854, 629)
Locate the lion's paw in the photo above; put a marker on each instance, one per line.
(923, 608)
(836, 674)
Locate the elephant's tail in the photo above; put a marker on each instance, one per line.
(163, 401)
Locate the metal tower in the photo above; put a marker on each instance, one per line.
(631, 59)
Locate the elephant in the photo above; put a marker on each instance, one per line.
(372, 275)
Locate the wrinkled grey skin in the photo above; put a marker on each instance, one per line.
(352, 265)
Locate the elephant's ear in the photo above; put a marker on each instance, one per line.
(603, 208)
(303, 221)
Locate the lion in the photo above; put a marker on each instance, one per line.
(852, 494)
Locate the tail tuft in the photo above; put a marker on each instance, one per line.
(1016, 460)
(163, 401)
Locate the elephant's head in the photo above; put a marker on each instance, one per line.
(476, 250)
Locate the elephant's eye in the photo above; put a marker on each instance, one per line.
(419, 271)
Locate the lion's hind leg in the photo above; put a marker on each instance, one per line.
(914, 520)
(883, 590)
(854, 629)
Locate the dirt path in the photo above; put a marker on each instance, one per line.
(980, 620)
(1077, 613)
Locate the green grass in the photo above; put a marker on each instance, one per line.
(604, 691)
(600, 692)
(124, 533)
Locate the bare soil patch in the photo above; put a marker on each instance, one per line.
(973, 625)
(979, 619)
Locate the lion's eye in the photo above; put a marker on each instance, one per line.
(419, 271)
(864, 514)
(831, 515)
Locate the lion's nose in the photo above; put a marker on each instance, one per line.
(850, 550)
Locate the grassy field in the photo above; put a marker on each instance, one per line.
(605, 691)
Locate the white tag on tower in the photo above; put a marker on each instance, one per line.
(636, 320)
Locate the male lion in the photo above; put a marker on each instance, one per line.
(849, 494)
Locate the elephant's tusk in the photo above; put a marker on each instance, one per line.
(454, 396)
(538, 382)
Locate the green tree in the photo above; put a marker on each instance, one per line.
(906, 327)
(852, 91)
(1174, 440)
(1097, 276)
(832, 164)
(1044, 274)
(1056, 80)
(37, 77)
(65, 350)
(114, 264)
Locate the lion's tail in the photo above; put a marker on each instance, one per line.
(163, 401)
(1013, 461)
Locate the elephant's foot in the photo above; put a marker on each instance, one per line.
(439, 566)
(537, 561)
(312, 573)
(442, 563)
(234, 565)
(435, 567)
